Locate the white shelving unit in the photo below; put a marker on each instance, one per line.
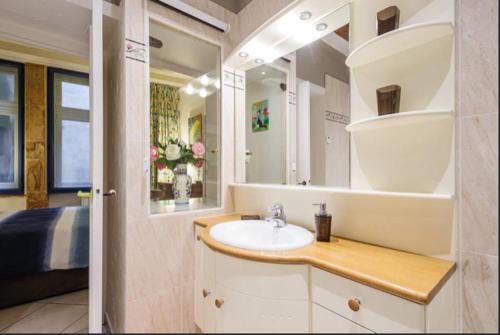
(397, 41)
(400, 119)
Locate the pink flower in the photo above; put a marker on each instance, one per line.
(153, 152)
(198, 163)
(198, 149)
(161, 166)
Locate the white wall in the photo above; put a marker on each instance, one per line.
(410, 221)
(427, 81)
(317, 131)
(267, 164)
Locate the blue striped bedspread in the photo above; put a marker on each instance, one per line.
(40, 240)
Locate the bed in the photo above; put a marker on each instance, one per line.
(43, 252)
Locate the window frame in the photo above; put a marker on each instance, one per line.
(51, 131)
(19, 190)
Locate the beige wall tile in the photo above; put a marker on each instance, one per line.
(479, 163)
(477, 36)
(479, 293)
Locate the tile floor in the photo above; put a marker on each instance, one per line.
(67, 313)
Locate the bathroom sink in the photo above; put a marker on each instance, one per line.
(261, 235)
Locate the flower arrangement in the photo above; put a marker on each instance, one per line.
(177, 152)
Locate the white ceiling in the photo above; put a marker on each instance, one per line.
(57, 23)
(261, 72)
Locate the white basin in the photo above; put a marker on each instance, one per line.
(261, 235)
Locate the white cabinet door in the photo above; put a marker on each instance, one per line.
(325, 321)
(382, 312)
(250, 314)
(204, 287)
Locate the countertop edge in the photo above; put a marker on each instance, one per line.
(282, 258)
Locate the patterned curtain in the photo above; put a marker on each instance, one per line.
(164, 118)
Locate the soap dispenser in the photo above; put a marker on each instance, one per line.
(323, 222)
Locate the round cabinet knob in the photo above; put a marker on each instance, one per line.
(219, 302)
(354, 304)
(205, 293)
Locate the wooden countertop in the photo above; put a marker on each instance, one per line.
(414, 277)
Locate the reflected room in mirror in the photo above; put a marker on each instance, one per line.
(296, 111)
(184, 121)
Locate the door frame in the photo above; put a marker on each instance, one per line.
(97, 167)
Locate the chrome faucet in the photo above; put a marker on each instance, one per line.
(278, 215)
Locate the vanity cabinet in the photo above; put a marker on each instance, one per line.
(238, 295)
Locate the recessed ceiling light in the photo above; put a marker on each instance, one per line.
(203, 93)
(204, 80)
(243, 54)
(189, 89)
(263, 73)
(259, 61)
(321, 26)
(305, 15)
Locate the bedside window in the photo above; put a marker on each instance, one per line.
(11, 127)
(69, 131)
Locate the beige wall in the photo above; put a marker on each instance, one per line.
(477, 148)
(318, 59)
(150, 259)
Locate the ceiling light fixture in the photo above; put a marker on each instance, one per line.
(259, 61)
(243, 54)
(204, 80)
(263, 73)
(189, 90)
(305, 15)
(203, 93)
(321, 26)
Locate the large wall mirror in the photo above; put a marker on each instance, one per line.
(184, 120)
(297, 107)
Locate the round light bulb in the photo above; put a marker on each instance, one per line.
(305, 15)
(203, 93)
(204, 80)
(259, 61)
(189, 90)
(321, 26)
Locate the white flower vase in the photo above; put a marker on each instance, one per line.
(182, 185)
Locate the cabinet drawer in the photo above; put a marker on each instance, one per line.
(268, 280)
(378, 311)
(243, 313)
(325, 321)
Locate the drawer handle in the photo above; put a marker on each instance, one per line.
(205, 293)
(354, 304)
(219, 302)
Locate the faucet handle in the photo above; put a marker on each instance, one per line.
(276, 209)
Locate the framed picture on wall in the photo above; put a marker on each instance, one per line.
(260, 116)
(195, 126)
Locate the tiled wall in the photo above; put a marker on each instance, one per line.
(150, 259)
(477, 148)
